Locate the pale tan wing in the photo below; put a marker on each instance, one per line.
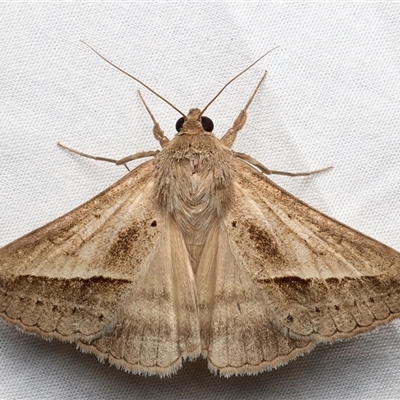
(237, 333)
(320, 279)
(67, 278)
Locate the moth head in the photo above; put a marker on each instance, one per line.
(194, 123)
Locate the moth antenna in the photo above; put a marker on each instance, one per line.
(157, 131)
(136, 79)
(147, 108)
(235, 77)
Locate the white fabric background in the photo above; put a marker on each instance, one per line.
(331, 97)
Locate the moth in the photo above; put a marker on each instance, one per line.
(196, 252)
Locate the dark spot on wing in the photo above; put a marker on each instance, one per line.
(154, 223)
(263, 242)
(125, 241)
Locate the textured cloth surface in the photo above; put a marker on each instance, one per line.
(331, 98)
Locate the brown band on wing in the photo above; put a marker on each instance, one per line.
(64, 308)
(327, 309)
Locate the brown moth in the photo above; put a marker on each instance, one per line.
(196, 252)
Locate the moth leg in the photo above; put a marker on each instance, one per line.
(157, 131)
(267, 171)
(136, 156)
(87, 155)
(229, 138)
(123, 161)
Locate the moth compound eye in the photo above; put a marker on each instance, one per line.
(179, 124)
(207, 124)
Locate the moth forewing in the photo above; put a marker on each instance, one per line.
(195, 252)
